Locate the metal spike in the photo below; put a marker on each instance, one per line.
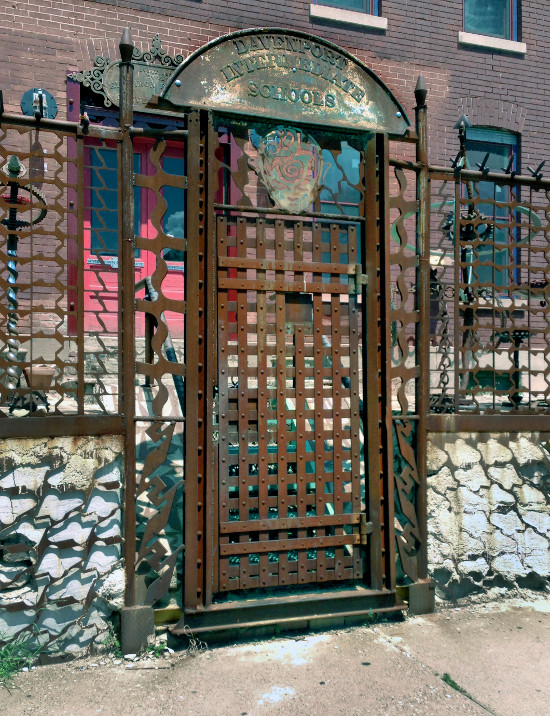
(483, 168)
(537, 174)
(508, 169)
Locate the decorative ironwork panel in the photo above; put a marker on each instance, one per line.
(405, 371)
(489, 296)
(292, 488)
(161, 249)
(59, 350)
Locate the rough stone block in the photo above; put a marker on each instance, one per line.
(539, 520)
(102, 503)
(506, 477)
(493, 451)
(31, 478)
(508, 522)
(476, 569)
(56, 562)
(137, 628)
(473, 479)
(102, 558)
(57, 507)
(463, 455)
(499, 543)
(525, 449)
(468, 501)
(500, 498)
(13, 507)
(443, 481)
(436, 458)
(530, 496)
(56, 619)
(508, 565)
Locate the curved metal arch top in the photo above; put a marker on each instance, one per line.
(284, 75)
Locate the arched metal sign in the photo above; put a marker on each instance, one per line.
(289, 76)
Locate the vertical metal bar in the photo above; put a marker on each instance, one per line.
(126, 315)
(336, 397)
(223, 477)
(423, 335)
(210, 337)
(387, 421)
(192, 295)
(371, 369)
(80, 275)
(263, 401)
(280, 341)
(318, 401)
(242, 401)
(300, 408)
(355, 346)
(456, 297)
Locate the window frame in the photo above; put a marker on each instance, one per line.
(370, 7)
(513, 22)
(485, 136)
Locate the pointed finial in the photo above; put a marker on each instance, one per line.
(126, 46)
(420, 91)
(463, 121)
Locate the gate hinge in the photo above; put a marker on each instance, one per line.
(365, 528)
(360, 280)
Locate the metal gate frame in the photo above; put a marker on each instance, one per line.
(200, 613)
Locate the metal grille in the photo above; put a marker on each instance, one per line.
(405, 370)
(489, 296)
(291, 463)
(59, 349)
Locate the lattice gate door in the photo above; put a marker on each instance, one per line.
(290, 362)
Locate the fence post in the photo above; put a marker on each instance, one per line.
(421, 594)
(137, 622)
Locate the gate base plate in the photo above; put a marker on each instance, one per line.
(302, 609)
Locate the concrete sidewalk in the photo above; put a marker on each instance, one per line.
(496, 658)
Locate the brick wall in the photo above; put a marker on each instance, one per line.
(41, 39)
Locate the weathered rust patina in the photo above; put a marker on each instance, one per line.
(286, 76)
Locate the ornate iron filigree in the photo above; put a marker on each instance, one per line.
(152, 68)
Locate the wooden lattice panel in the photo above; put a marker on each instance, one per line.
(291, 482)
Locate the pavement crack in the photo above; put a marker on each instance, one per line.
(446, 678)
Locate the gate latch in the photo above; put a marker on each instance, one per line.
(365, 528)
(360, 280)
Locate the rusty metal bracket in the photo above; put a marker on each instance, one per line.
(365, 528)
(359, 281)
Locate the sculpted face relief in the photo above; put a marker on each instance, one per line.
(291, 165)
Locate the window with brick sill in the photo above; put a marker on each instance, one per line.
(370, 7)
(494, 18)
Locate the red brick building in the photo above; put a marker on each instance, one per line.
(496, 82)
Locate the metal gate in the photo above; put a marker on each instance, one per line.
(290, 359)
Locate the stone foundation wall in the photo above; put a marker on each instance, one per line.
(61, 575)
(488, 511)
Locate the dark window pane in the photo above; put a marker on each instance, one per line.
(488, 17)
(104, 200)
(174, 219)
(499, 157)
